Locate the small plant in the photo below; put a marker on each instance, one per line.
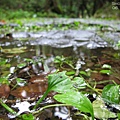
(118, 44)
(69, 95)
(62, 62)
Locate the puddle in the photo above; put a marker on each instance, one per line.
(90, 48)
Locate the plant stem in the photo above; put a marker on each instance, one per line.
(93, 89)
(48, 106)
(41, 99)
(7, 107)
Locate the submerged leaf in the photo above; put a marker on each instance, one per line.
(101, 111)
(30, 91)
(14, 50)
(4, 91)
(76, 99)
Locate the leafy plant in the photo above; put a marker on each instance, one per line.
(76, 99)
(4, 80)
(106, 69)
(4, 66)
(110, 94)
(61, 61)
(61, 83)
(58, 82)
(27, 117)
(118, 44)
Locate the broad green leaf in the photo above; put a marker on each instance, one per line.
(101, 111)
(111, 94)
(77, 100)
(59, 82)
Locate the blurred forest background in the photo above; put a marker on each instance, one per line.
(59, 8)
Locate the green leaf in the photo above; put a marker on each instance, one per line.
(3, 61)
(7, 107)
(108, 72)
(77, 100)
(79, 83)
(27, 117)
(84, 73)
(4, 80)
(21, 65)
(70, 72)
(59, 59)
(111, 94)
(59, 82)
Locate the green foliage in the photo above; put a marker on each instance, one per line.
(106, 69)
(61, 83)
(58, 82)
(76, 99)
(13, 14)
(7, 107)
(21, 65)
(79, 83)
(111, 94)
(27, 117)
(4, 66)
(118, 44)
(4, 80)
(72, 72)
(68, 88)
(62, 61)
(20, 81)
(55, 8)
(108, 72)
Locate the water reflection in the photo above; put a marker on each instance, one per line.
(62, 113)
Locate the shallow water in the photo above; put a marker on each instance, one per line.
(90, 45)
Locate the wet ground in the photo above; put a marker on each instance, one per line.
(92, 43)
